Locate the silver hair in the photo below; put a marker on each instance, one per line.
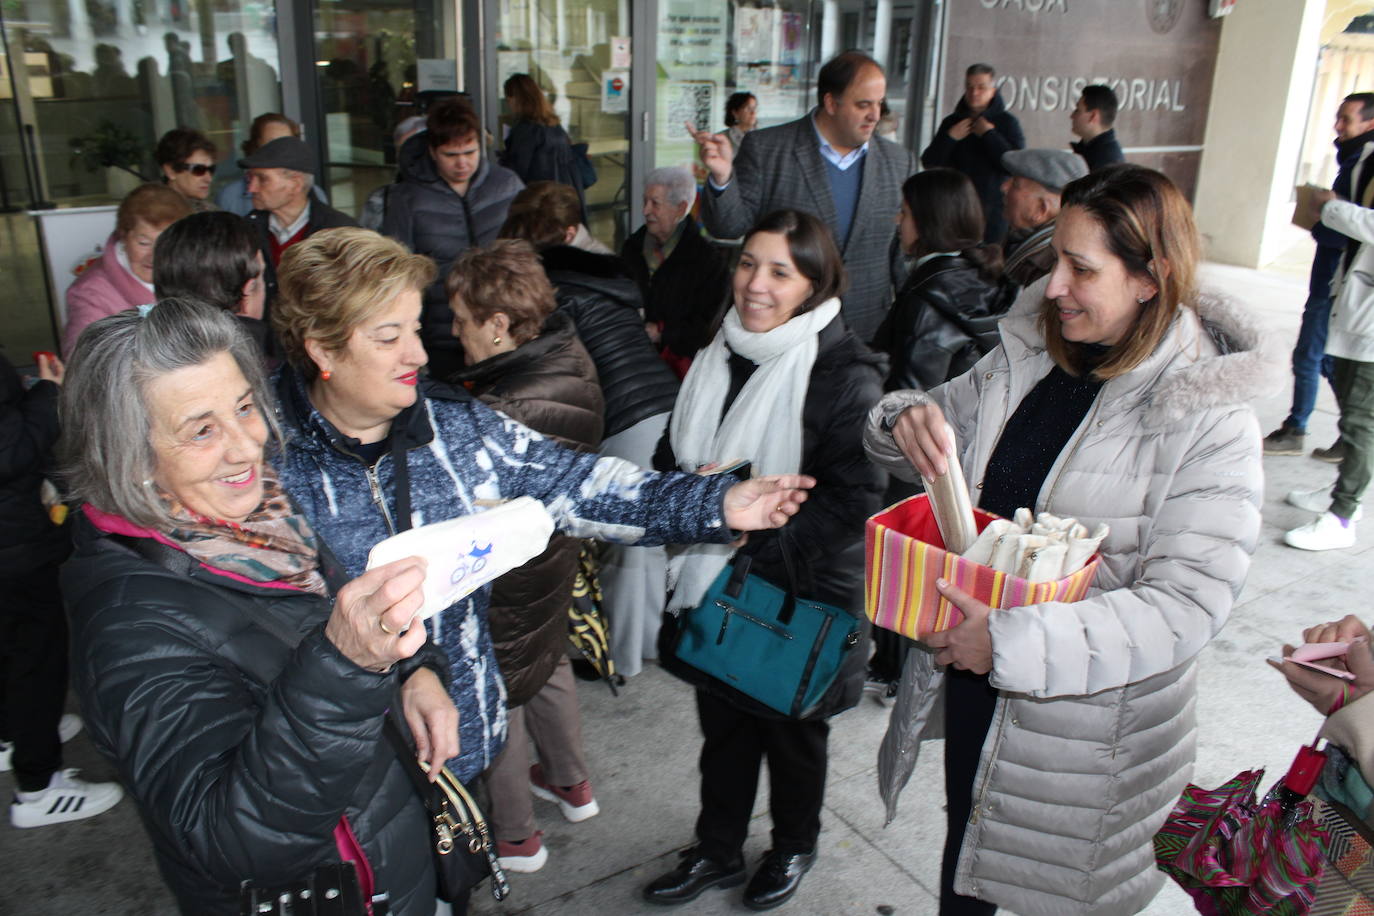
(676, 180)
(307, 179)
(106, 450)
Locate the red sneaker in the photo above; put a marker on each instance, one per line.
(528, 855)
(576, 802)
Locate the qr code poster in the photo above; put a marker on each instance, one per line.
(687, 100)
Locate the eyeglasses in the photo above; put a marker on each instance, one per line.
(199, 169)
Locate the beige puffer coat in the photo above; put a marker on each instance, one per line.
(1094, 734)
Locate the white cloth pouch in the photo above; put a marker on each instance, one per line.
(468, 552)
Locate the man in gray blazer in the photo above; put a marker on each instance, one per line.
(830, 164)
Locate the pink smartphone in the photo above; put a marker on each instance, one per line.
(1343, 675)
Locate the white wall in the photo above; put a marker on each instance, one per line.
(1260, 98)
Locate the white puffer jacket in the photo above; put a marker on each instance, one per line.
(1094, 734)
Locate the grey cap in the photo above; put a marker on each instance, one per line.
(1052, 168)
(282, 153)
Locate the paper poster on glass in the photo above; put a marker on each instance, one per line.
(615, 91)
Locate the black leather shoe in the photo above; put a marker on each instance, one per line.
(777, 879)
(694, 874)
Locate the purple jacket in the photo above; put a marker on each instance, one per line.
(103, 289)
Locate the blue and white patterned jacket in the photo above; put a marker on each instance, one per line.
(458, 450)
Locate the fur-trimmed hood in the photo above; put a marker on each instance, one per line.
(1215, 354)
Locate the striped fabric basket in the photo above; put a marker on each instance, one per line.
(905, 555)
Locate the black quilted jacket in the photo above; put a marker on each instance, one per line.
(944, 319)
(241, 752)
(604, 302)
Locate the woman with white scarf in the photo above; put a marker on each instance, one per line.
(783, 385)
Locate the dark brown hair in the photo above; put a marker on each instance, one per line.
(505, 276)
(949, 217)
(813, 252)
(178, 144)
(840, 72)
(542, 213)
(451, 120)
(1148, 225)
(527, 101)
(733, 104)
(259, 127)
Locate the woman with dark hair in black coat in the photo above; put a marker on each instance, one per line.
(603, 301)
(945, 315)
(784, 384)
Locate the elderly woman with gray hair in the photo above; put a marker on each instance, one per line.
(224, 662)
(683, 277)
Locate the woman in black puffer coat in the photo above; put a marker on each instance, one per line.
(225, 664)
(526, 361)
(784, 385)
(945, 315)
(604, 302)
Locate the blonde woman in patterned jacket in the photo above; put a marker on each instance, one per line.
(1118, 395)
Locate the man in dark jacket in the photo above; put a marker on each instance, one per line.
(450, 198)
(683, 277)
(33, 625)
(1091, 122)
(280, 177)
(1035, 179)
(1354, 128)
(973, 140)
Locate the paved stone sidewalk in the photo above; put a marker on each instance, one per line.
(643, 746)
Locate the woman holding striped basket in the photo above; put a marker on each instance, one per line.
(1117, 395)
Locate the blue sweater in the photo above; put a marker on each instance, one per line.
(458, 451)
(844, 190)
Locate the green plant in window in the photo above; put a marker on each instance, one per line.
(109, 146)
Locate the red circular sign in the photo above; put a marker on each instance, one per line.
(617, 84)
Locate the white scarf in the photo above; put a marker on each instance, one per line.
(763, 425)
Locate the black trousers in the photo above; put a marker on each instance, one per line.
(734, 747)
(33, 674)
(970, 702)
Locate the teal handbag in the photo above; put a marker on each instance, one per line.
(764, 642)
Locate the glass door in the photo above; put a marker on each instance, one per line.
(88, 87)
(578, 51)
(372, 57)
(710, 49)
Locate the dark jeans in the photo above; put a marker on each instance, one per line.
(33, 674)
(1310, 362)
(1354, 383)
(734, 747)
(970, 702)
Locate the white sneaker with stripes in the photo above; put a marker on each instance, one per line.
(67, 798)
(67, 729)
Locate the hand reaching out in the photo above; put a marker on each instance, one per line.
(766, 502)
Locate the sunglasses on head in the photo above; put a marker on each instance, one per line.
(199, 169)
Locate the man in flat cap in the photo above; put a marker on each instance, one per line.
(1031, 193)
(279, 177)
